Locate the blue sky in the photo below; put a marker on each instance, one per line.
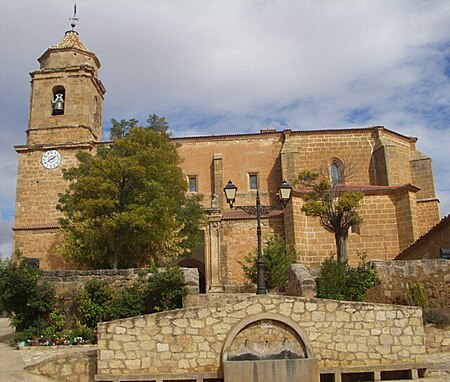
(218, 67)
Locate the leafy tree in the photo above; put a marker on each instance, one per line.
(335, 207)
(277, 260)
(127, 205)
(24, 295)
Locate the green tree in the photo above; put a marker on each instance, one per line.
(335, 207)
(127, 205)
(23, 295)
(277, 260)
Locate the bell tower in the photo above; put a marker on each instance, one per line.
(65, 116)
(66, 95)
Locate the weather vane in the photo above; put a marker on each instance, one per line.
(74, 18)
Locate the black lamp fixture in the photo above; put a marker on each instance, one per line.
(284, 193)
(230, 193)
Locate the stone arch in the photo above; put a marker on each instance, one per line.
(241, 325)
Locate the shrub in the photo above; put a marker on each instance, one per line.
(276, 264)
(23, 295)
(127, 302)
(164, 290)
(94, 302)
(415, 295)
(437, 316)
(57, 320)
(340, 282)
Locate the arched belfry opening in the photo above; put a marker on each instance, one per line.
(58, 100)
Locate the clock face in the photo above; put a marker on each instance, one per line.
(51, 159)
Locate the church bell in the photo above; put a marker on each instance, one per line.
(58, 104)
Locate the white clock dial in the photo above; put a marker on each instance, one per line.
(51, 159)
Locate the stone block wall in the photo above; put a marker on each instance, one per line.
(66, 282)
(316, 149)
(192, 339)
(380, 235)
(68, 365)
(437, 338)
(238, 240)
(395, 275)
(239, 157)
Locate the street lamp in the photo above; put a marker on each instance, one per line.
(284, 193)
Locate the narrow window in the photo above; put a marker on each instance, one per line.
(253, 181)
(335, 173)
(192, 180)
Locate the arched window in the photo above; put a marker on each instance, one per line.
(335, 172)
(59, 98)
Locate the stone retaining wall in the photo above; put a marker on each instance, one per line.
(396, 275)
(192, 339)
(66, 281)
(437, 338)
(68, 364)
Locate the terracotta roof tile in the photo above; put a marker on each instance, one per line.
(71, 40)
(366, 189)
(37, 226)
(242, 215)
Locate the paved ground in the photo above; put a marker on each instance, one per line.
(12, 362)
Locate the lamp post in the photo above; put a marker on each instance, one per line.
(284, 193)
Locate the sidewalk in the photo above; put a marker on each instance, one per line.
(11, 362)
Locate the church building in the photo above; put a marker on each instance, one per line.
(65, 116)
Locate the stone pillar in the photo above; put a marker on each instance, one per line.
(218, 181)
(289, 154)
(212, 251)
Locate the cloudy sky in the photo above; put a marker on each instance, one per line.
(215, 67)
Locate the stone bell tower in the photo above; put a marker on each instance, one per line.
(65, 116)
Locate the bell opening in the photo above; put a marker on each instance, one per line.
(59, 95)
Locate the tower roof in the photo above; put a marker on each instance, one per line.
(71, 40)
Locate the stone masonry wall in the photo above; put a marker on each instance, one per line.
(66, 282)
(377, 236)
(192, 339)
(238, 240)
(437, 338)
(68, 365)
(395, 275)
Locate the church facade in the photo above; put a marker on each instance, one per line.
(65, 116)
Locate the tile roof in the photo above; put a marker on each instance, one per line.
(37, 226)
(443, 223)
(71, 40)
(242, 215)
(366, 189)
(293, 132)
